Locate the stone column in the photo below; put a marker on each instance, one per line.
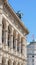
(16, 40)
(12, 62)
(20, 63)
(6, 61)
(20, 44)
(11, 45)
(23, 47)
(6, 34)
(1, 7)
(1, 18)
(16, 62)
(0, 59)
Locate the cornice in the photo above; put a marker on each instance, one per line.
(16, 17)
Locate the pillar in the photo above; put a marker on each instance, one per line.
(16, 62)
(1, 7)
(20, 44)
(12, 62)
(23, 47)
(6, 34)
(11, 44)
(6, 61)
(1, 18)
(0, 59)
(16, 40)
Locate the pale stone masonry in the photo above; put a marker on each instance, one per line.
(12, 37)
(31, 53)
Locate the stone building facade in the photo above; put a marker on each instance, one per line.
(31, 53)
(12, 37)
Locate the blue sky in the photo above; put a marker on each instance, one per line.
(28, 8)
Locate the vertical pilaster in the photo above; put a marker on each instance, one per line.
(6, 34)
(12, 62)
(0, 59)
(16, 62)
(1, 8)
(11, 45)
(16, 40)
(20, 44)
(1, 18)
(6, 61)
(23, 47)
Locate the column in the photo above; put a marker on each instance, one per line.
(20, 44)
(12, 62)
(6, 61)
(1, 7)
(6, 34)
(16, 40)
(16, 62)
(20, 63)
(1, 17)
(23, 47)
(0, 59)
(11, 45)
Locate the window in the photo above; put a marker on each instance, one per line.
(33, 56)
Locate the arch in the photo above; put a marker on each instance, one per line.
(3, 30)
(14, 37)
(9, 34)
